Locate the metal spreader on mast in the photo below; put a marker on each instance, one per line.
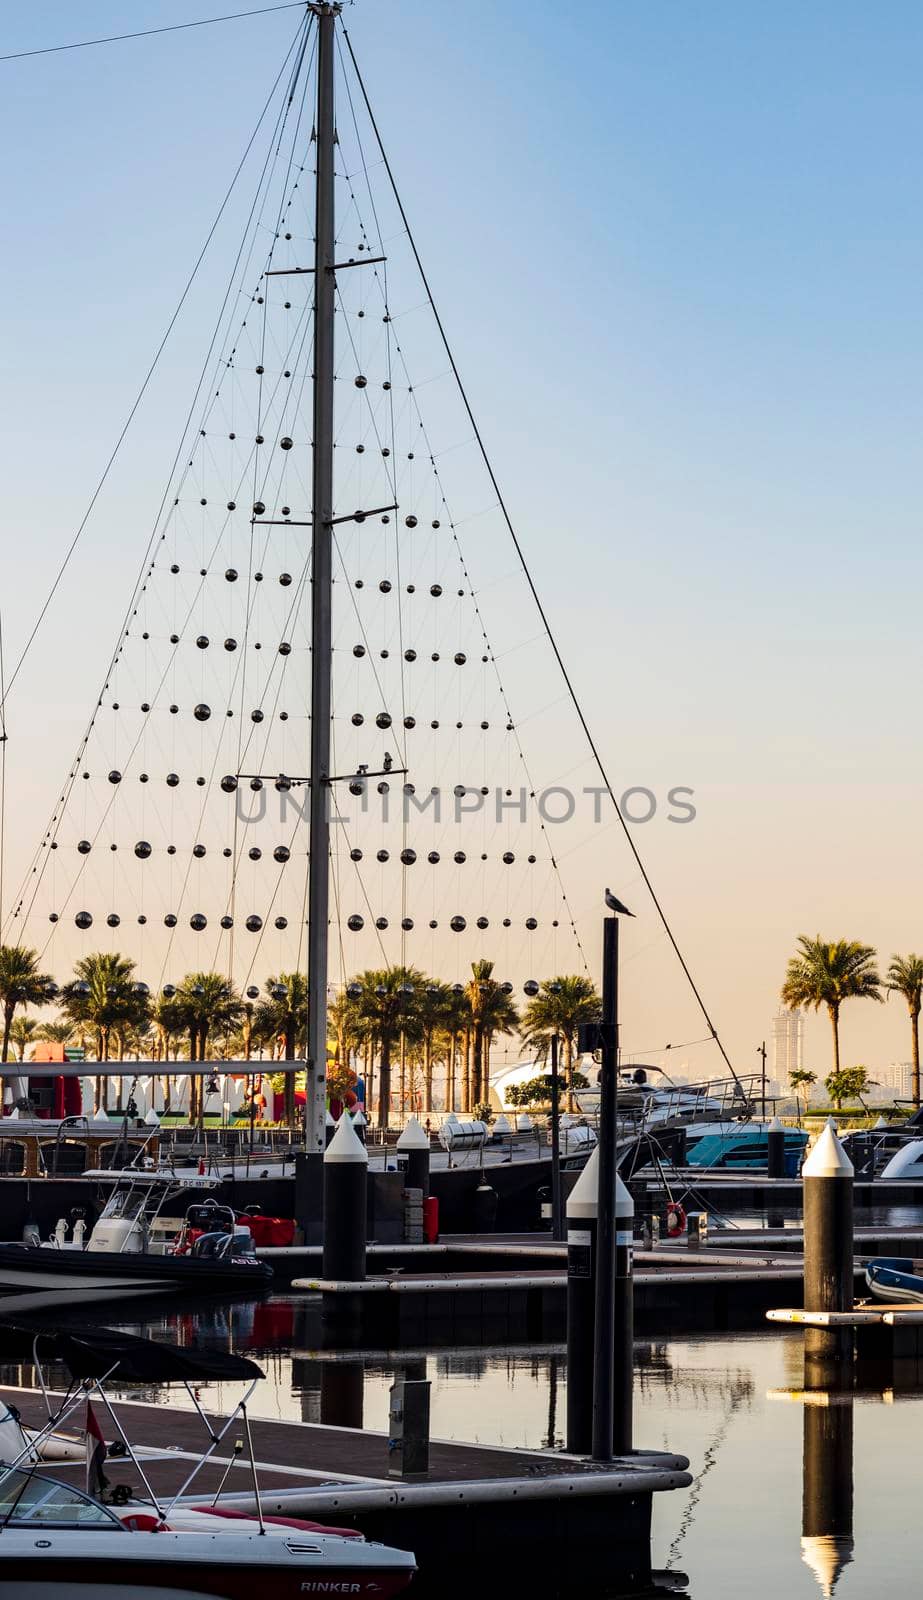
(321, 580)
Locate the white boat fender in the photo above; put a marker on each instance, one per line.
(13, 1442)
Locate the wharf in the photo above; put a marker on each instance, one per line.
(517, 1183)
(519, 1514)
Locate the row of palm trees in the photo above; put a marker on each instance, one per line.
(826, 972)
(395, 1014)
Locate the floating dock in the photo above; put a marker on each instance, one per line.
(885, 1336)
(470, 1294)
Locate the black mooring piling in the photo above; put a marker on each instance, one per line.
(775, 1152)
(346, 1166)
(582, 1207)
(582, 1263)
(828, 1254)
(413, 1147)
(623, 1321)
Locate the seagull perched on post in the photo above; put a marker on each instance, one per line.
(616, 905)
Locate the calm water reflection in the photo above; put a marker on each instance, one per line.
(793, 1494)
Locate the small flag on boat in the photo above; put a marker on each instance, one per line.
(96, 1454)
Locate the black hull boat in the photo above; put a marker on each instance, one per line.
(213, 1252)
(83, 1274)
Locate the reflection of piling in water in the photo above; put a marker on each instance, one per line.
(306, 1377)
(827, 1505)
(341, 1391)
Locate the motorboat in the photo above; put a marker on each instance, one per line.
(896, 1279)
(133, 1250)
(874, 1152)
(59, 1541)
(648, 1099)
(907, 1161)
(742, 1146)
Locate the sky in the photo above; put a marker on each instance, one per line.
(678, 253)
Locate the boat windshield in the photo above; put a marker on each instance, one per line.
(27, 1498)
(125, 1202)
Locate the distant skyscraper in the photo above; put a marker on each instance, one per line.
(895, 1080)
(787, 1044)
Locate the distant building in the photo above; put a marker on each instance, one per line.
(894, 1080)
(787, 1044)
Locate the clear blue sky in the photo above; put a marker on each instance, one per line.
(679, 252)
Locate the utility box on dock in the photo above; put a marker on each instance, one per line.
(408, 1429)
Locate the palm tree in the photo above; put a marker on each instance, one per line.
(825, 973)
(21, 983)
(169, 1022)
(22, 1033)
(206, 1002)
(437, 1004)
(283, 1015)
(457, 1028)
(905, 976)
(344, 1021)
(561, 1007)
(105, 995)
(492, 1012)
(55, 1032)
(388, 1003)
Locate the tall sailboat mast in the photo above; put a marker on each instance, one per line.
(326, 12)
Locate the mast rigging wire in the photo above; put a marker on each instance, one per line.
(552, 640)
(148, 33)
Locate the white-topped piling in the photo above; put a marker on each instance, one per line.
(582, 1261)
(413, 1148)
(828, 1251)
(346, 1167)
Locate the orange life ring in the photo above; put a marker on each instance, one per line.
(676, 1218)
